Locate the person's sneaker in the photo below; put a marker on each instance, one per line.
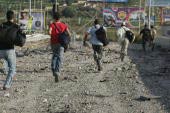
(56, 79)
(100, 68)
(153, 46)
(122, 58)
(56, 76)
(5, 88)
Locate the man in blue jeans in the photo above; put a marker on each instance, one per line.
(57, 49)
(7, 52)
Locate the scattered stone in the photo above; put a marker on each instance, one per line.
(125, 68)
(42, 69)
(136, 73)
(17, 90)
(122, 93)
(45, 101)
(4, 111)
(104, 80)
(107, 61)
(139, 82)
(25, 86)
(79, 67)
(131, 105)
(118, 69)
(6, 95)
(133, 65)
(46, 90)
(75, 77)
(35, 70)
(66, 78)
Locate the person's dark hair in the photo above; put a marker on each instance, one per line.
(123, 24)
(152, 26)
(10, 15)
(56, 16)
(145, 26)
(96, 21)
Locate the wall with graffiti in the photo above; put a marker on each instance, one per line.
(166, 16)
(113, 17)
(111, 1)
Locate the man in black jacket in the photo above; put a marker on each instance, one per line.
(7, 52)
(146, 36)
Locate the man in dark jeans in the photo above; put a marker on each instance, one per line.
(57, 49)
(96, 44)
(146, 36)
(7, 52)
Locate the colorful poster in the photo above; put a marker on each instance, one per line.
(115, 16)
(33, 22)
(111, 1)
(166, 16)
(38, 21)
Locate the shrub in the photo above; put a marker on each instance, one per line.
(68, 12)
(69, 2)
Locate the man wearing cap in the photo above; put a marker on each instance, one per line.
(124, 42)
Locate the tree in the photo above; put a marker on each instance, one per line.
(69, 12)
(69, 2)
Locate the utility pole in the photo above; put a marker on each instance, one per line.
(153, 11)
(149, 15)
(34, 4)
(56, 5)
(139, 15)
(41, 17)
(30, 9)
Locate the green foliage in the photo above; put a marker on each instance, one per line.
(69, 12)
(69, 2)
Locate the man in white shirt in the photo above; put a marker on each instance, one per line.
(153, 35)
(96, 44)
(124, 42)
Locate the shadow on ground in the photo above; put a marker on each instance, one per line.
(154, 71)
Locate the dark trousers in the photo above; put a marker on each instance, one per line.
(98, 53)
(144, 44)
(150, 41)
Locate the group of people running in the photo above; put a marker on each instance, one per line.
(7, 52)
(148, 36)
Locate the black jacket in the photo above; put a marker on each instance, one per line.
(5, 46)
(146, 33)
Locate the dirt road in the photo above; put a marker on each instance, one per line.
(141, 84)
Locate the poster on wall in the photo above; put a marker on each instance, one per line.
(113, 17)
(110, 1)
(166, 16)
(33, 22)
(38, 21)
